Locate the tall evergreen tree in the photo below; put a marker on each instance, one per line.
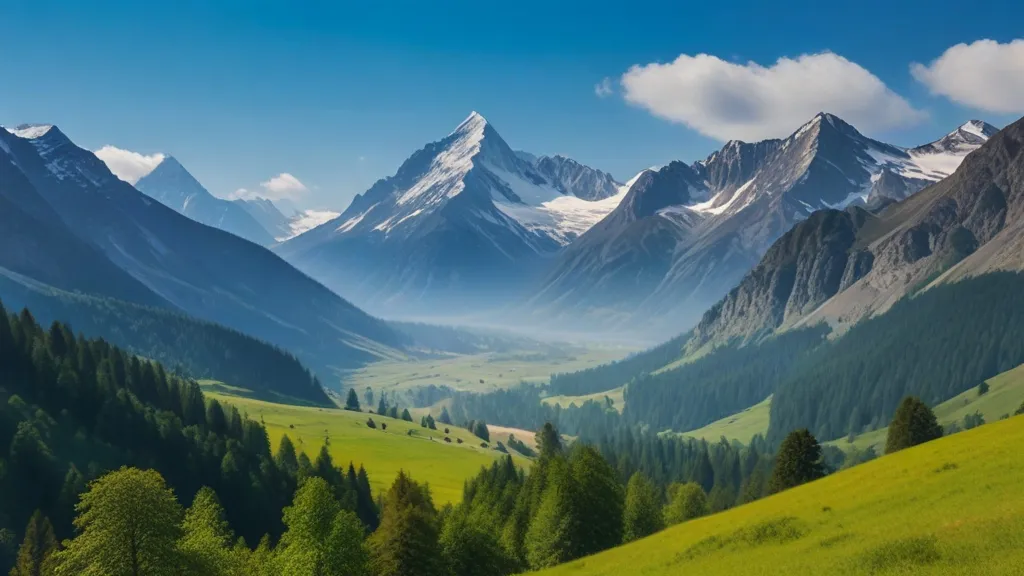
(34, 555)
(914, 423)
(207, 540)
(599, 502)
(321, 538)
(548, 441)
(352, 402)
(550, 538)
(799, 461)
(642, 514)
(406, 543)
(444, 418)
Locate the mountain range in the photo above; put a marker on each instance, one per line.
(841, 266)
(466, 223)
(684, 235)
(76, 227)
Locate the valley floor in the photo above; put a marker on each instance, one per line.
(949, 507)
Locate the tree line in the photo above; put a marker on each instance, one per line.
(615, 374)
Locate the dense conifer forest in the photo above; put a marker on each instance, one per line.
(615, 374)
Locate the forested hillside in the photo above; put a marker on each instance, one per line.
(934, 345)
(182, 343)
(615, 374)
(72, 409)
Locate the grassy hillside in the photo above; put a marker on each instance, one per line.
(1005, 395)
(949, 507)
(424, 455)
(741, 426)
(617, 396)
(495, 369)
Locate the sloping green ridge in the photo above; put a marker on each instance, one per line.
(954, 506)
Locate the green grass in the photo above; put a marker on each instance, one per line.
(497, 369)
(954, 506)
(741, 426)
(1005, 395)
(617, 397)
(424, 455)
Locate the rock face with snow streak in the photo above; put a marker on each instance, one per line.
(841, 266)
(465, 223)
(754, 194)
(173, 186)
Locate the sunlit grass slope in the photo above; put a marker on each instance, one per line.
(1005, 395)
(617, 397)
(741, 426)
(954, 506)
(424, 455)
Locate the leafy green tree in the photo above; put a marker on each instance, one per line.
(207, 540)
(973, 420)
(352, 402)
(685, 502)
(642, 514)
(469, 549)
(262, 561)
(34, 555)
(129, 525)
(983, 388)
(406, 542)
(321, 538)
(799, 461)
(914, 423)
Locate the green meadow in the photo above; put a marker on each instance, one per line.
(424, 454)
(950, 507)
(741, 426)
(617, 396)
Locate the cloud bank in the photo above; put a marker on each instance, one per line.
(985, 75)
(725, 100)
(127, 165)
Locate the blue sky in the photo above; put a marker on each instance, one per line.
(339, 93)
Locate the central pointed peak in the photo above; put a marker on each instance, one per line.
(474, 123)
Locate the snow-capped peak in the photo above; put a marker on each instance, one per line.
(30, 131)
(978, 128)
(474, 124)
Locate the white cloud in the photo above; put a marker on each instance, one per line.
(127, 165)
(284, 185)
(603, 89)
(985, 75)
(725, 100)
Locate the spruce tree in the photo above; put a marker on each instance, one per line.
(444, 418)
(799, 461)
(914, 423)
(406, 415)
(550, 538)
(600, 502)
(352, 402)
(548, 441)
(642, 513)
(321, 537)
(34, 555)
(207, 539)
(406, 542)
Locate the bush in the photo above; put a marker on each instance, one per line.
(685, 502)
(982, 388)
(1019, 410)
(370, 423)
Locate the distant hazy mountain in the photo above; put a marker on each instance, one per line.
(841, 266)
(660, 262)
(158, 254)
(462, 225)
(268, 215)
(171, 184)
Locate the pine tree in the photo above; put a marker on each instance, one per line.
(285, 457)
(548, 441)
(262, 561)
(642, 513)
(685, 502)
(549, 540)
(406, 542)
(406, 415)
(207, 539)
(799, 461)
(352, 402)
(600, 502)
(914, 423)
(34, 555)
(382, 406)
(444, 418)
(128, 523)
